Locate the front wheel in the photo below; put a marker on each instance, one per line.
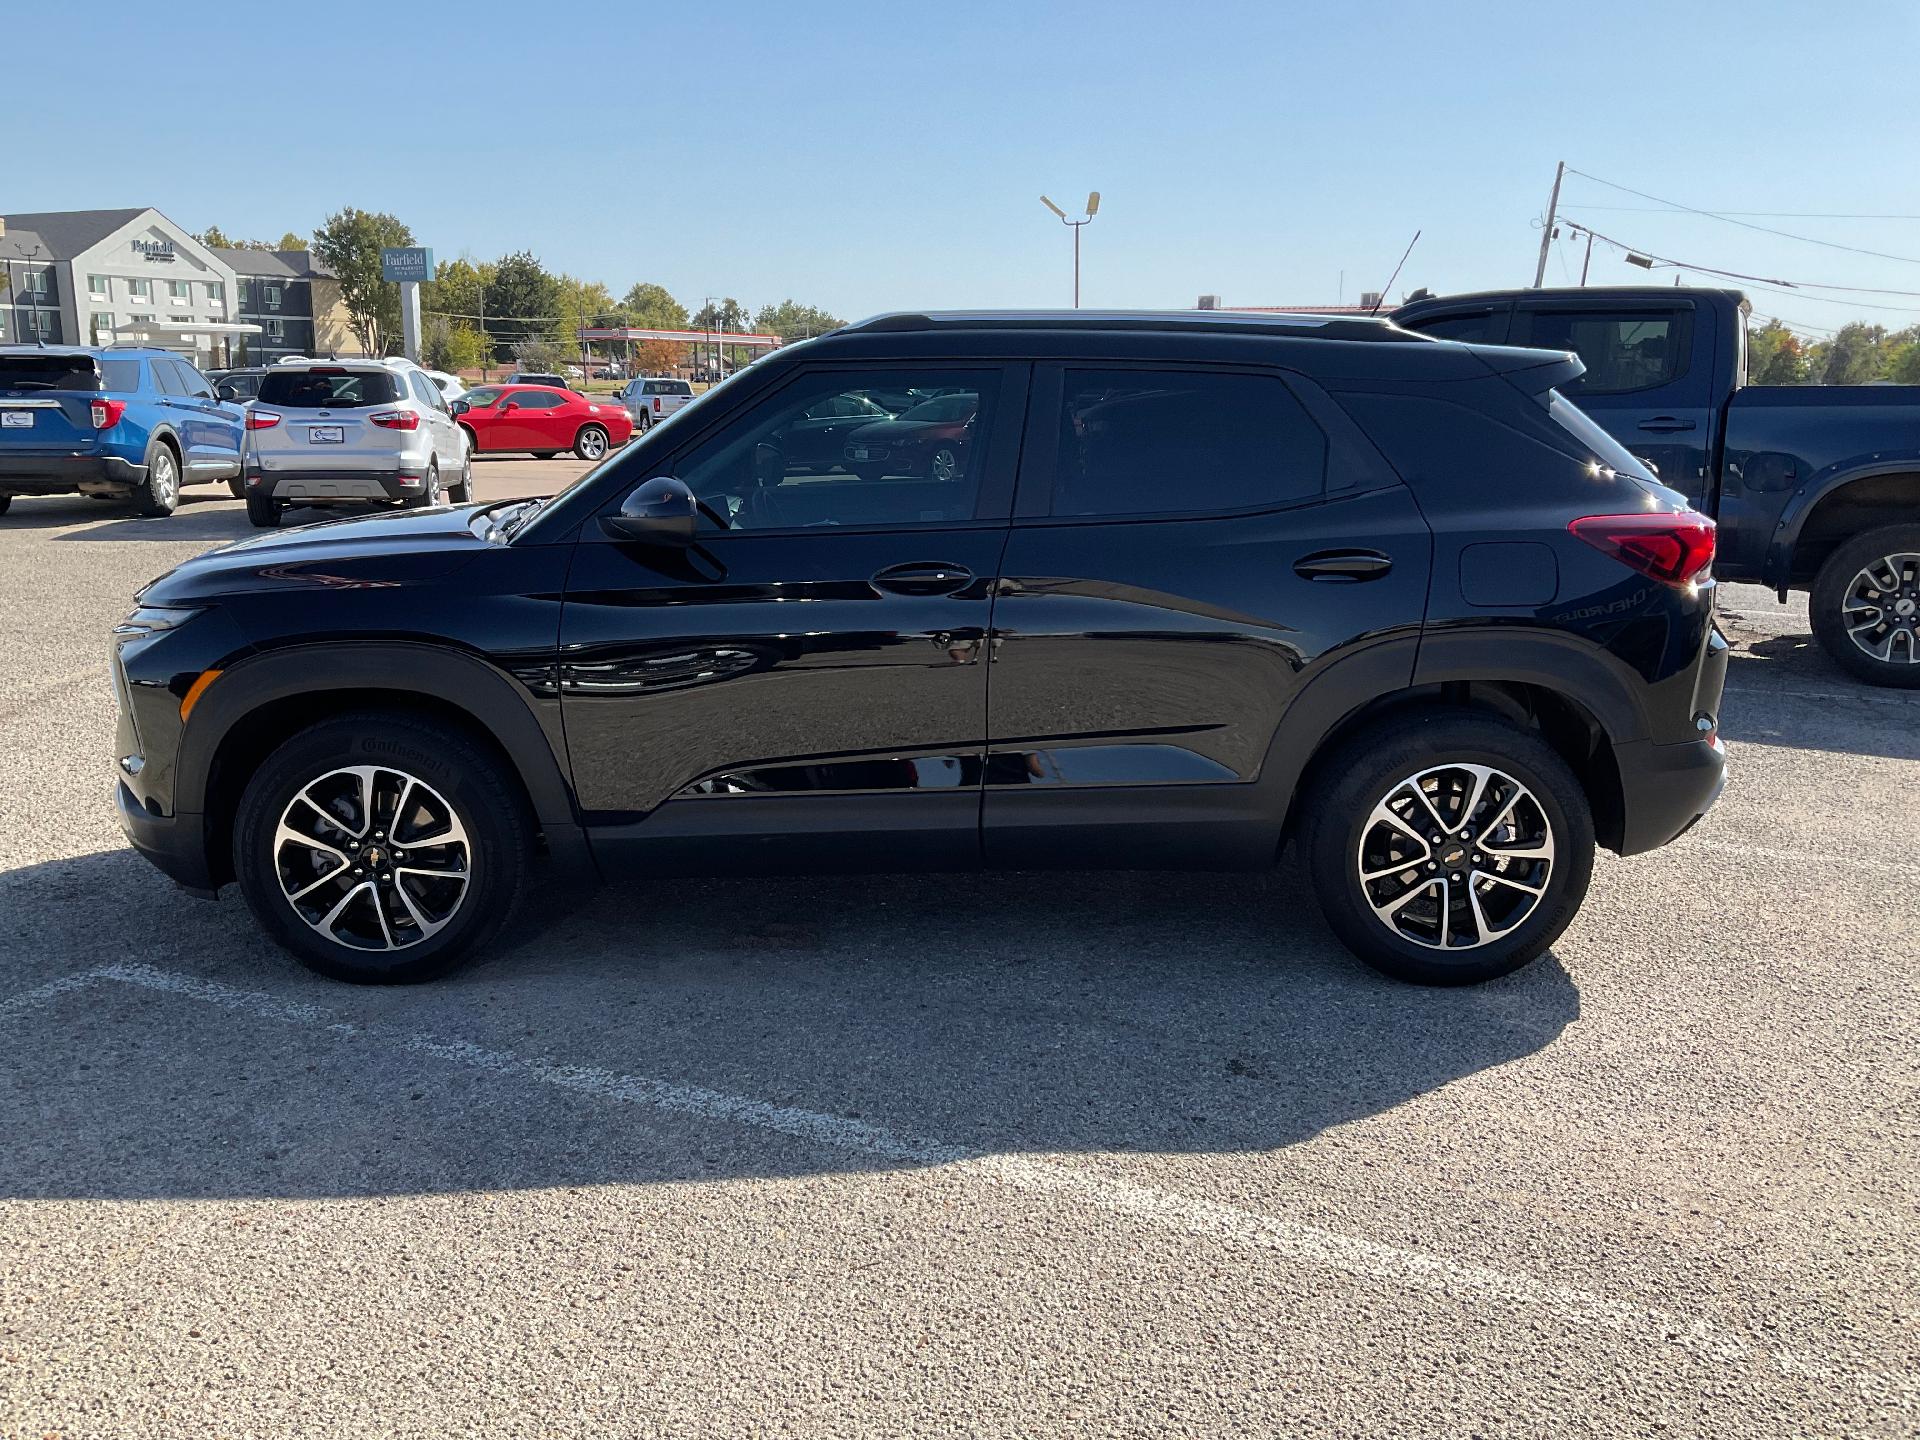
(159, 493)
(590, 443)
(1866, 606)
(381, 848)
(1447, 848)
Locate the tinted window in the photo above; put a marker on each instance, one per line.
(195, 382)
(119, 373)
(328, 389)
(166, 377)
(1476, 327)
(667, 387)
(1622, 351)
(776, 469)
(426, 392)
(1135, 442)
(48, 372)
(481, 398)
(538, 399)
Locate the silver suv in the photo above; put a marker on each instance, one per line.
(651, 398)
(334, 432)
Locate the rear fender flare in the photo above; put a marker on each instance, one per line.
(1777, 569)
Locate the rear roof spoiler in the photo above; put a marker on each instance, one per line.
(1530, 371)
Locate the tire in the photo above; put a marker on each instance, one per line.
(430, 493)
(465, 889)
(944, 464)
(264, 511)
(159, 493)
(590, 443)
(1869, 628)
(238, 486)
(1506, 925)
(643, 422)
(461, 491)
(544, 454)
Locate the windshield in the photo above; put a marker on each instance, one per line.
(329, 389)
(48, 372)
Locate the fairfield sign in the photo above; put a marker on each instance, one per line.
(158, 251)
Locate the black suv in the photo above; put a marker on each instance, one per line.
(1164, 591)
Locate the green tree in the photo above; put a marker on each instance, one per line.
(1775, 356)
(650, 307)
(458, 291)
(584, 303)
(523, 304)
(791, 320)
(452, 345)
(1852, 357)
(349, 244)
(291, 241)
(214, 238)
(728, 314)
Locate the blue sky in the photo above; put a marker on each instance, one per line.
(869, 156)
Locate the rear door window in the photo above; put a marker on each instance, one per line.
(1143, 442)
(329, 389)
(167, 377)
(1624, 350)
(426, 392)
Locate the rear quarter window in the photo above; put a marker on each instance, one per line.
(120, 374)
(329, 389)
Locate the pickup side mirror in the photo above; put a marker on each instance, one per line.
(660, 511)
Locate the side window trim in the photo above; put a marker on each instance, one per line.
(1353, 463)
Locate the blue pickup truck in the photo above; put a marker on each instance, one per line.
(1815, 487)
(130, 425)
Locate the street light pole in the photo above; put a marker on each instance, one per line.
(1093, 208)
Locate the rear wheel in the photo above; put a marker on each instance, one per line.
(238, 486)
(1866, 606)
(380, 848)
(590, 443)
(264, 511)
(1447, 847)
(944, 464)
(159, 493)
(430, 493)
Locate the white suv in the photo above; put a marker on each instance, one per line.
(333, 432)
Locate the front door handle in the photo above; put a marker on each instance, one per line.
(1343, 565)
(922, 577)
(1666, 424)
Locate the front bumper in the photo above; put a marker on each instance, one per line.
(1666, 789)
(176, 843)
(320, 487)
(52, 473)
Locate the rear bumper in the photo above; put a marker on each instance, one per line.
(176, 844)
(52, 473)
(310, 487)
(1666, 789)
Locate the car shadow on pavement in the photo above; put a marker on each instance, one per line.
(1783, 691)
(1017, 1014)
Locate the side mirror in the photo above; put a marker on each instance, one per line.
(769, 464)
(660, 511)
(226, 392)
(509, 405)
(460, 407)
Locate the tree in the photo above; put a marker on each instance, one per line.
(523, 303)
(291, 241)
(453, 345)
(214, 238)
(793, 321)
(1775, 356)
(583, 304)
(458, 291)
(655, 357)
(349, 244)
(729, 314)
(650, 307)
(1852, 357)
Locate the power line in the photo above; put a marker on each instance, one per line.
(1761, 282)
(1765, 214)
(1744, 224)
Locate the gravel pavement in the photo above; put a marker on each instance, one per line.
(1030, 1155)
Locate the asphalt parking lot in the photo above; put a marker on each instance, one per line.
(926, 1155)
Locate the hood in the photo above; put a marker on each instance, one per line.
(390, 550)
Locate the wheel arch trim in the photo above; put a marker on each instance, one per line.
(1776, 570)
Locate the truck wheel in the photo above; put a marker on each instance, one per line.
(264, 511)
(381, 848)
(159, 493)
(1447, 847)
(1866, 606)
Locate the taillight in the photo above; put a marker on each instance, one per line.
(1674, 549)
(261, 419)
(396, 420)
(658, 403)
(107, 413)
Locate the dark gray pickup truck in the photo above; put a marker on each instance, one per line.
(1814, 487)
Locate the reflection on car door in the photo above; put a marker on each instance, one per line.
(1186, 546)
(447, 442)
(808, 683)
(1643, 383)
(209, 430)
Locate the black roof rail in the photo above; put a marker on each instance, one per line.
(1218, 322)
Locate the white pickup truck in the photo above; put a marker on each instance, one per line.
(651, 398)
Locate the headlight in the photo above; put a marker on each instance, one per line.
(151, 619)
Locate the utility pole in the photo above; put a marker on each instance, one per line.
(1546, 233)
(1586, 262)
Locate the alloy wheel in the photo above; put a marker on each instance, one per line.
(1455, 857)
(945, 464)
(165, 481)
(592, 445)
(372, 858)
(1881, 609)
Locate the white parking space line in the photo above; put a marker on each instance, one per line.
(1162, 1209)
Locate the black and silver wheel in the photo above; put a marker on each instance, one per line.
(430, 493)
(590, 443)
(1448, 848)
(462, 490)
(1866, 606)
(159, 493)
(945, 463)
(381, 848)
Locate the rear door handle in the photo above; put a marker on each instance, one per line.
(1343, 565)
(922, 577)
(1666, 424)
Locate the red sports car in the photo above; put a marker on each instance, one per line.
(539, 420)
